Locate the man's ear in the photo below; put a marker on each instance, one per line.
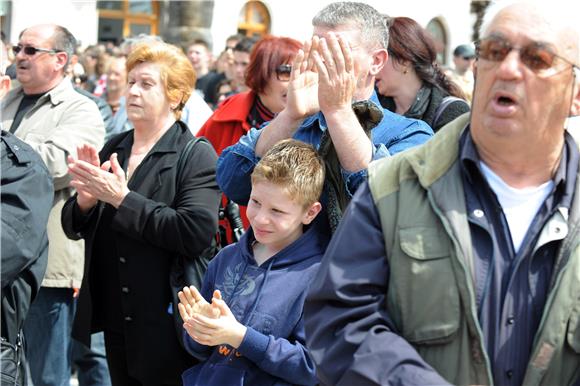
(575, 108)
(380, 58)
(61, 59)
(311, 213)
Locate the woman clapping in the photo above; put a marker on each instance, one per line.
(137, 212)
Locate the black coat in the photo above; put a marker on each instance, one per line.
(148, 233)
(27, 194)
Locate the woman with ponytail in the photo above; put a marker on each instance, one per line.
(411, 83)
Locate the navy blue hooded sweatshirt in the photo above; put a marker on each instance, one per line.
(269, 301)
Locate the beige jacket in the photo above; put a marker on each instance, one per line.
(60, 120)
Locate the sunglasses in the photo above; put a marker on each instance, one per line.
(31, 51)
(283, 72)
(538, 57)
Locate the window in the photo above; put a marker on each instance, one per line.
(437, 30)
(254, 19)
(119, 19)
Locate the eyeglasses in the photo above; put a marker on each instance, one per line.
(468, 57)
(31, 51)
(283, 72)
(537, 56)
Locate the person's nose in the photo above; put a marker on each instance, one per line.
(261, 217)
(511, 66)
(133, 89)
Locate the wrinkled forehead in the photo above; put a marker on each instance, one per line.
(36, 35)
(522, 23)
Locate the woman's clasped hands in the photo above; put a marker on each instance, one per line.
(94, 181)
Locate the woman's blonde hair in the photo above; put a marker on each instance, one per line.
(177, 73)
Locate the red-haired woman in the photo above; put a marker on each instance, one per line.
(411, 82)
(139, 217)
(267, 76)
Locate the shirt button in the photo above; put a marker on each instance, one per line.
(509, 373)
(511, 320)
(125, 290)
(122, 260)
(478, 213)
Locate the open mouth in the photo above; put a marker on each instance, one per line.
(505, 101)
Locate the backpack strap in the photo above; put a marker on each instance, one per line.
(441, 108)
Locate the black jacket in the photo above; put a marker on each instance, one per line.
(27, 193)
(148, 230)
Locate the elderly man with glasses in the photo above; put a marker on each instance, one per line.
(459, 261)
(49, 115)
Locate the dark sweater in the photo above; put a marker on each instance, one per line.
(425, 107)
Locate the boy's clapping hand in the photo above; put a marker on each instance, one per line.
(213, 332)
(191, 302)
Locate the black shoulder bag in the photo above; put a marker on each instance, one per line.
(186, 270)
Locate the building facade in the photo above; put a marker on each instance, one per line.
(451, 22)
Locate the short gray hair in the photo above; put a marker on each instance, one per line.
(371, 24)
(556, 12)
(64, 41)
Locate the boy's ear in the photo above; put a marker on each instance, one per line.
(311, 213)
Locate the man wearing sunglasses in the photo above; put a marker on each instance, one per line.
(459, 261)
(50, 116)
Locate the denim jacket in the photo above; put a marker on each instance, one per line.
(392, 135)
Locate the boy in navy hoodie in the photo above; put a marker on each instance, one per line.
(252, 332)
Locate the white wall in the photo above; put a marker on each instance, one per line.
(80, 17)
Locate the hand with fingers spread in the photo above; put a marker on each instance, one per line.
(97, 182)
(336, 77)
(191, 302)
(88, 154)
(302, 99)
(215, 331)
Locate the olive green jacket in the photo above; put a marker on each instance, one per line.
(431, 297)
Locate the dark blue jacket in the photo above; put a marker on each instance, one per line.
(269, 300)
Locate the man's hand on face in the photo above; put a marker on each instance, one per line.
(336, 78)
(303, 87)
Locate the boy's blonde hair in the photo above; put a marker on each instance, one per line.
(296, 166)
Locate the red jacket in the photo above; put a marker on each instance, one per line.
(229, 122)
(225, 127)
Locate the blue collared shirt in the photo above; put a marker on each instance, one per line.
(512, 287)
(392, 135)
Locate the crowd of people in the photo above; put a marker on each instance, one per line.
(404, 224)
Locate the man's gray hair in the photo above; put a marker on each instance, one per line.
(64, 41)
(370, 22)
(557, 12)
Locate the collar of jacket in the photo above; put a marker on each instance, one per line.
(57, 95)
(430, 161)
(235, 108)
(168, 143)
